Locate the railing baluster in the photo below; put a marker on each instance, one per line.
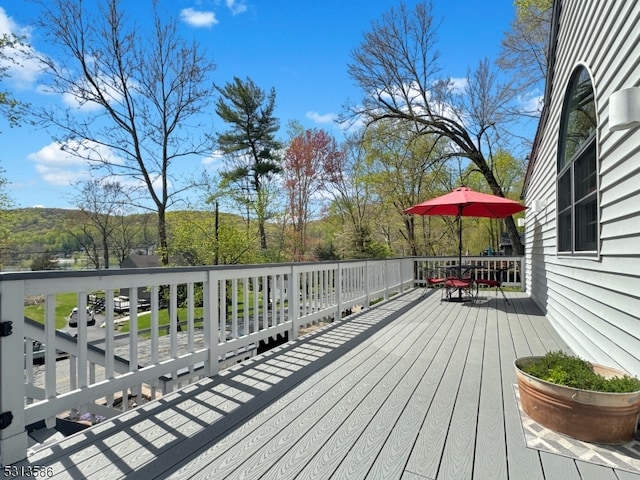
(211, 321)
(281, 293)
(190, 317)
(133, 337)
(245, 305)
(256, 298)
(223, 310)
(50, 379)
(173, 320)
(234, 308)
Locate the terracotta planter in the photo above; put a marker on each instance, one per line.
(598, 417)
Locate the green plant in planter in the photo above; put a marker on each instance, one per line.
(571, 371)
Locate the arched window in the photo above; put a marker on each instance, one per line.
(577, 182)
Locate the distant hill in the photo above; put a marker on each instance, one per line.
(39, 229)
(27, 218)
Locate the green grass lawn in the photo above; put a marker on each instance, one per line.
(64, 304)
(144, 319)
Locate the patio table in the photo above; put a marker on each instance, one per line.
(460, 280)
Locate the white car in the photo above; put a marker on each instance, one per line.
(73, 317)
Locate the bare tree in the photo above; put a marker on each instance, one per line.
(397, 68)
(140, 96)
(86, 236)
(100, 204)
(131, 232)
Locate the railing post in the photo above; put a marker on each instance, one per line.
(407, 272)
(13, 436)
(521, 265)
(294, 302)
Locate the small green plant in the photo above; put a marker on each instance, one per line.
(571, 371)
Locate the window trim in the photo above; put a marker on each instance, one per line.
(591, 142)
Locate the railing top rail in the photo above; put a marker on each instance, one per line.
(57, 274)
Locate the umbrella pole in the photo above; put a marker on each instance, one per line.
(460, 243)
(460, 249)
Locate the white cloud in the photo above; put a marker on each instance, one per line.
(73, 102)
(213, 161)
(57, 167)
(23, 70)
(533, 103)
(7, 25)
(109, 88)
(459, 84)
(198, 18)
(320, 118)
(236, 7)
(60, 166)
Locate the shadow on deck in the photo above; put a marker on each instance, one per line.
(412, 388)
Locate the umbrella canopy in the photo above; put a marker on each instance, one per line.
(464, 202)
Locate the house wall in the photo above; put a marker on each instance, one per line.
(594, 302)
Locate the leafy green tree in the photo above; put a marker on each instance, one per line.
(510, 172)
(196, 238)
(44, 261)
(405, 169)
(11, 47)
(6, 217)
(11, 110)
(250, 147)
(144, 95)
(525, 48)
(352, 198)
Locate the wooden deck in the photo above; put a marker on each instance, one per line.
(413, 388)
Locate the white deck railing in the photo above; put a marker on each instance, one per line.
(231, 313)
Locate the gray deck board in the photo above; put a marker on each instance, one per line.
(413, 389)
(490, 459)
(589, 471)
(426, 452)
(562, 468)
(459, 450)
(522, 463)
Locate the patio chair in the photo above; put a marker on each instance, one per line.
(497, 276)
(434, 278)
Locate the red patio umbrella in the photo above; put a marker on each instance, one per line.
(464, 202)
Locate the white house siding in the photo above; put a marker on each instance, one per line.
(593, 302)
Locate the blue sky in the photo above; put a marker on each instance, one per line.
(299, 47)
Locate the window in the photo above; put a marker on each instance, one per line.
(577, 183)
